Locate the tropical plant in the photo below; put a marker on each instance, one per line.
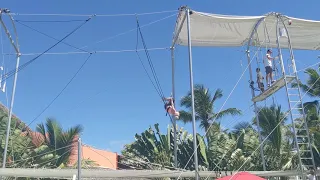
(271, 120)
(312, 85)
(21, 150)
(204, 107)
(153, 150)
(50, 147)
(53, 138)
(234, 150)
(222, 153)
(278, 147)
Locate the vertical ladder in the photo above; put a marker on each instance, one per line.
(300, 128)
(302, 139)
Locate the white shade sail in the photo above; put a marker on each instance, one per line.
(234, 31)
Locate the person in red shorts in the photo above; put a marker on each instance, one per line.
(169, 107)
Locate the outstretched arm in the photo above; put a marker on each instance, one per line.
(269, 57)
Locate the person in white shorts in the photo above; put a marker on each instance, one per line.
(268, 66)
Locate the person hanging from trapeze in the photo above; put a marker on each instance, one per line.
(169, 107)
(268, 66)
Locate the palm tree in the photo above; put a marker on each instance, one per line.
(22, 152)
(272, 120)
(278, 147)
(204, 107)
(312, 86)
(42, 149)
(60, 142)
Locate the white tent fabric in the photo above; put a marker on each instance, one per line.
(234, 31)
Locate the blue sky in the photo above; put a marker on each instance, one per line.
(112, 98)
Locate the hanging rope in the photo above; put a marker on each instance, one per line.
(156, 85)
(150, 62)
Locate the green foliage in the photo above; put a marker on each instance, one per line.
(58, 141)
(204, 107)
(312, 85)
(27, 149)
(156, 148)
(225, 150)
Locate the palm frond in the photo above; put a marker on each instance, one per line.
(312, 86)
(217, 95)
(229, 111)
(241, 126)
(185, 117)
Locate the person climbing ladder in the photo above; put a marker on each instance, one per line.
(169, 107)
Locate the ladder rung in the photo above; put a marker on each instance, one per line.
(293, 88)
(306, 158)
(302, 143)
(301, 129)
(293, 94)
(305, 150)
(296, 114)
(302, 136)
(294, 101)
(297, 117)
(296, 108)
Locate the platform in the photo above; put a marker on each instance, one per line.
(273, 88)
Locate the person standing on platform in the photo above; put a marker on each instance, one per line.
(268, 65)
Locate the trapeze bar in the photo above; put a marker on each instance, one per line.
(273, 88)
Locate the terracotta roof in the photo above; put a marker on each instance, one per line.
(103, 159)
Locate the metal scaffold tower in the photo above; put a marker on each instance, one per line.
(272, 30)
(296, 112)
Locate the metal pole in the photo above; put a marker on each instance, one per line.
(257, 114)
(16, 47)
(79, 159)
(4, 160)
(175, 38)
(174, 119)
(192, 99)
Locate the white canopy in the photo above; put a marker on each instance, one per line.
(233, 31)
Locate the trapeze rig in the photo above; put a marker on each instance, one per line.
(213, 30)
(301, 131)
